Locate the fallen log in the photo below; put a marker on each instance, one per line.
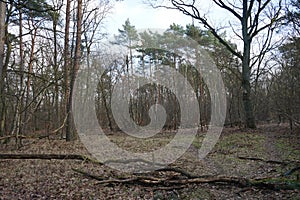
(42, 156)
(73, 157)
(49, 157)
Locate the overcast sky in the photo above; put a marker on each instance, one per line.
(142, 16)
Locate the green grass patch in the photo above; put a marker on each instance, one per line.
(241, 144)
(287, 150)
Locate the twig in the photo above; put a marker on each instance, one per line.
(88, 174)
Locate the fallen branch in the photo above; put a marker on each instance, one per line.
(86, 158)
(180, 171)
(13, 136)
(49, 157)
(167, 182)
(165, 188)
(285, 162)
(88, 174)
(291, 171)
(150, 181)
(134, 161)
(43, 156)
(263, 160)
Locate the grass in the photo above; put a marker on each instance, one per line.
(241, 144)
(289, 151)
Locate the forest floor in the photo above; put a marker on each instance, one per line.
(56, 179)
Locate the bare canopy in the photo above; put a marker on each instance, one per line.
(254, 17)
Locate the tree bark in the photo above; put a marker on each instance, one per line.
(30, 70)
(246, 71)
(2, 34)
(17, 129)
(71, 133)
(67, 63)
(2, 42)
(56, 67)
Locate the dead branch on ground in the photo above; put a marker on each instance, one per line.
(49, 157)
(151, 181)
(286, 162)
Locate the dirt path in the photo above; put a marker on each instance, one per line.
(270, 145)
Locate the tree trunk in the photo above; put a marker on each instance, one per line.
(2, 42)
(67, 62)
(56, 95)
(246, 72)
(19, 106)
(2, 34)
(249, 117)
(30, 71)
(71, 133)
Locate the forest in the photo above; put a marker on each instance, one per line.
(205, 110)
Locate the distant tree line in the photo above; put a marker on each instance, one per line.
(274, 100)
(44, 44)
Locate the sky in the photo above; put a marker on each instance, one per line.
(142, 16)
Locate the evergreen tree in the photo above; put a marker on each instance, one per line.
(128, 37)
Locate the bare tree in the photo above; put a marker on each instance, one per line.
(2, 43)
(67, 61)
(2, 34)
(70, 134)
(254, 18)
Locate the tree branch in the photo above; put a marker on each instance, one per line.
(196, 15)
(49, 157)
(221, 4)
(265, 183)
